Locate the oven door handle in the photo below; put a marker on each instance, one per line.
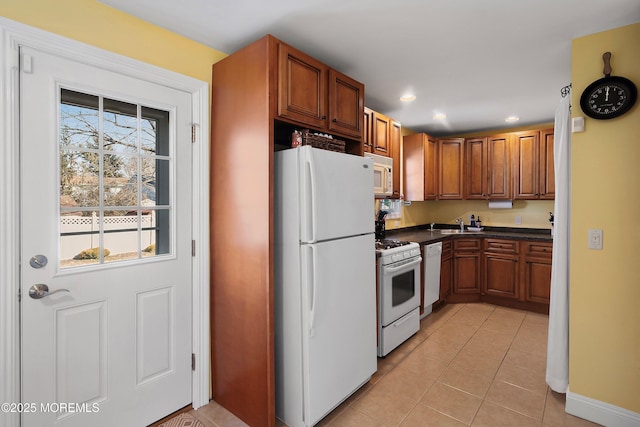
(388, 269)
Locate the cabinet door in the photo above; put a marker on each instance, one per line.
(476, 168)
(395, 139)
(346, 105)
(450, 182)
(430, 168)
(413, 158)
(501, 276)
(367, 130)
(499, 167)
(537, 280)
(445, 272)
(466, 273)
(302, 87)
(526, 165)
(547, 184)
(536, 271)
(380, 134)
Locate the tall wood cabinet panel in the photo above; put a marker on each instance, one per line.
(380, 134)
(499, 167)
(446, 265)
(242, 335)
(534, 176)
(476, 169)
(259, 94)
(420, 165)
(450, 170)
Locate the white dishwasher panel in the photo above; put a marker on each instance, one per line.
(431, 256)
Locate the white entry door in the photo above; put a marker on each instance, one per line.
(105, 227)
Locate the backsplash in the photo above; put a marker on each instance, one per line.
(532, 213)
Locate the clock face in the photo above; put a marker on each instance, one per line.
(609, 98)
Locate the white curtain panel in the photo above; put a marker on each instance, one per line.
(558, 339)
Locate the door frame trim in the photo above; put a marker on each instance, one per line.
(13, 35)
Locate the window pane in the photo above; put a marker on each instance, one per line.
(163, 242)
(79, 121)
(120, 236)
(155, 131)
(79, 238)
(79, 184)
(120, 180)
(120, 126)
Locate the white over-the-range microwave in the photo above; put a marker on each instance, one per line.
(382, 175)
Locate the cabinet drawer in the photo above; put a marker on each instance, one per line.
(466, 245)
(538, 249)
(501, 246)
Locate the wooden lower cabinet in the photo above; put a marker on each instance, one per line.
(501, 268)
(466, 270)
(507, 272)
(536, 272)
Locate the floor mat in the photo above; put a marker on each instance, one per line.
(182, 420)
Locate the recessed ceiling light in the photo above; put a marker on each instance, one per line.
(512, 119)
(408, 97)
(439, 116)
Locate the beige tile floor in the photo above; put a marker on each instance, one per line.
(469, 365)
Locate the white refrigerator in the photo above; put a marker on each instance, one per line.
(325, 292)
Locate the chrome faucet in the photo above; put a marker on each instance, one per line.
(461, 222)
(432, 224)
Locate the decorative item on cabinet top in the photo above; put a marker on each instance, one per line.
(325, 142)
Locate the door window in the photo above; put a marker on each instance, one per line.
(115, 175)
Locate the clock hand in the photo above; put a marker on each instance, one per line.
(606, 93)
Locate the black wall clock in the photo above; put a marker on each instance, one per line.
(608, 97)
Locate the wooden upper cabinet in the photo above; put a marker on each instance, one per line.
(547, 181)
(488, 167)
(346, 105)
(314, 95)
(533, 165)
(367, 137)
(380, 134)
(499, 167)
(302, 87)
(420, 161)
(450, 170)
(476, 169)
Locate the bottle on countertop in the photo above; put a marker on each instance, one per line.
(478, 222)
(472, 221)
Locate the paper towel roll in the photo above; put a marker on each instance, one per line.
(505, 204)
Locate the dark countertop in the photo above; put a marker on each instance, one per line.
(422, 235)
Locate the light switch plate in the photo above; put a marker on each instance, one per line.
(595, 238)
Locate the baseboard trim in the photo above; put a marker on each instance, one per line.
(600, 412)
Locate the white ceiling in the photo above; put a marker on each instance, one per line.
(477, 61)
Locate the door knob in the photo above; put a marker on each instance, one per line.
(41, 290)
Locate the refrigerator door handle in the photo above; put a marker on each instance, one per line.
(313, 287)
(311, 197)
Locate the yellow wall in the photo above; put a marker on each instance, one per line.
(605, 179)
(94, 23)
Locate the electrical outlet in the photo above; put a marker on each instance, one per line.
(518, 219)
(595, 238)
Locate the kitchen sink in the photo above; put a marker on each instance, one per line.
(457, 231)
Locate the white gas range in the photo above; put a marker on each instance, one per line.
(398, 293)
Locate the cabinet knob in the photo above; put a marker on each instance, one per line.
(323, 117)
(334, 120)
